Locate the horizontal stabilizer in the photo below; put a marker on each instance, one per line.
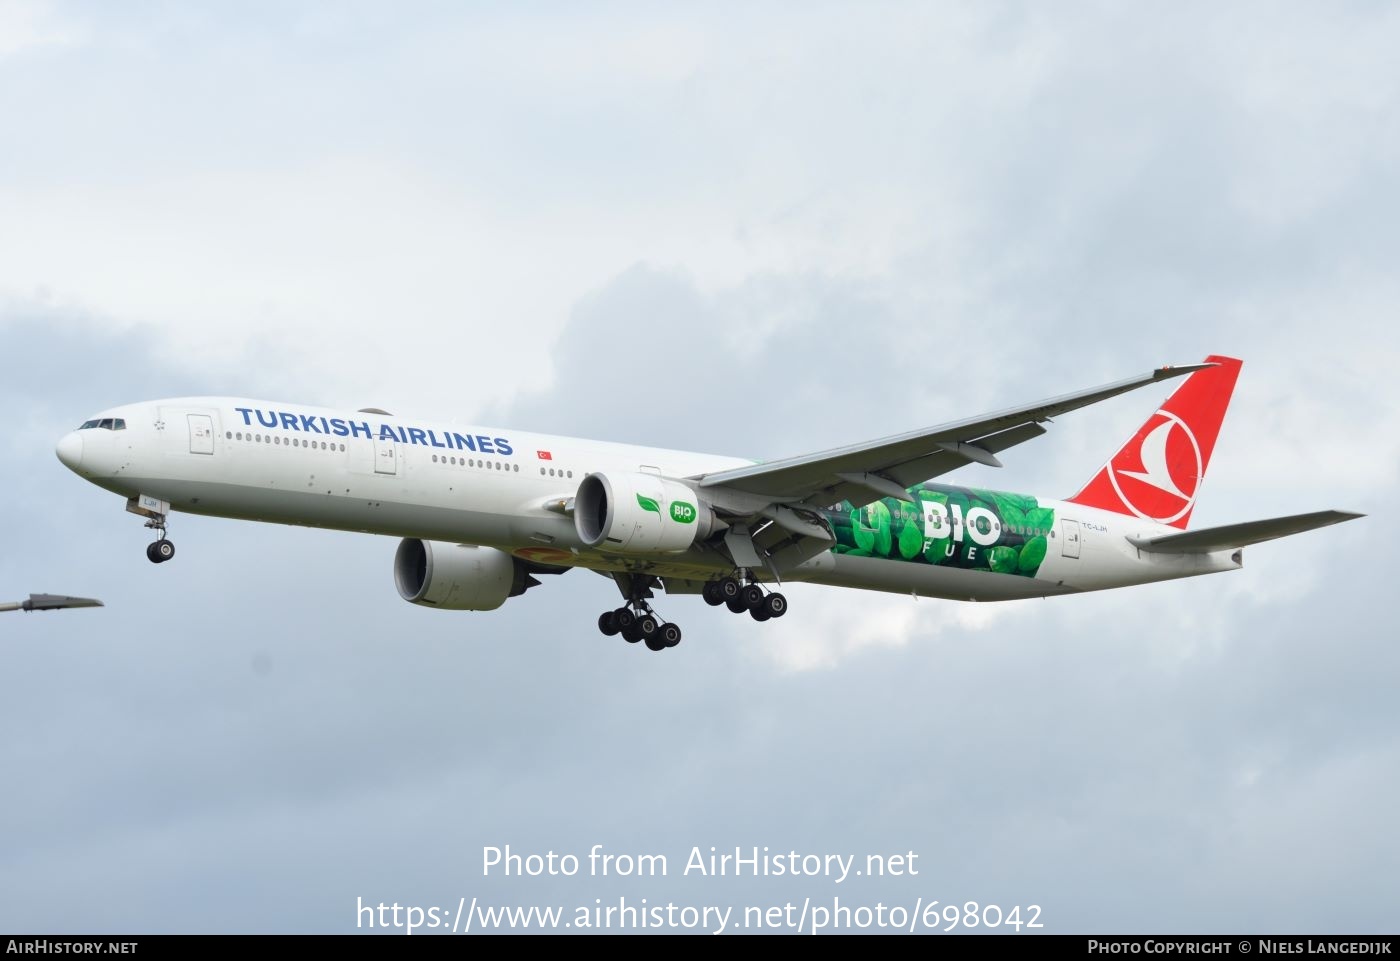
(1239, 535)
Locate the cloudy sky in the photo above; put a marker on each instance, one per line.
(749, 229)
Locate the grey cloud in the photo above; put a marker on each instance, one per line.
(252, 737)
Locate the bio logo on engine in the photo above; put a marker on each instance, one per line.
(682, 513)
(647, 504)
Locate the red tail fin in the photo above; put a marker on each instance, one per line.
(1157, 475)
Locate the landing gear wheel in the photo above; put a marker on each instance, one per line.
(607, 623)
(752, 597)
(627, 625)
(711, 593)
(736, 605)
(726, 589)
(161, 551)
(670, 635)
(759, 613)
(647, 628)
(655, 643)
(775, 605)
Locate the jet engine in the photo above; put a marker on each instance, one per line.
(457, 577)
(639, 514)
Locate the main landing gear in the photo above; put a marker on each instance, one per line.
(762, 606)
(639, 622)
(635, 620)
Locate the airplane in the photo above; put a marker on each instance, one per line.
(483, 512)
(49, 602)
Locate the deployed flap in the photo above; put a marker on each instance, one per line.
(824, 478)
(1239, 535)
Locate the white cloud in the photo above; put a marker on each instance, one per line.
(826, 627)
(33, 26)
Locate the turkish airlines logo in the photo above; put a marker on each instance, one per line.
(1162, 486)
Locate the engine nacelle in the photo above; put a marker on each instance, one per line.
(456, 577)
(639, 514)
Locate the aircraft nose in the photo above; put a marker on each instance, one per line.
(70, 450)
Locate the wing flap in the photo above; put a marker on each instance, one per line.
(1231, 536)
(943, 460)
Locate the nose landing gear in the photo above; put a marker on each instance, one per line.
(156, 512)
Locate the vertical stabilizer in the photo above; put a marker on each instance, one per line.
(1157, 475)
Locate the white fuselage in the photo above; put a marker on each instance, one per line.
(372, 472)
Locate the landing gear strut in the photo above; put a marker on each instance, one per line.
(156, 513)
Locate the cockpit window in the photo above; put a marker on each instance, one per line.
(106, 423)
(88, 425)
(119, 424)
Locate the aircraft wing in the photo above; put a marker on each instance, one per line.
(862, 473)
(1231, 536)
